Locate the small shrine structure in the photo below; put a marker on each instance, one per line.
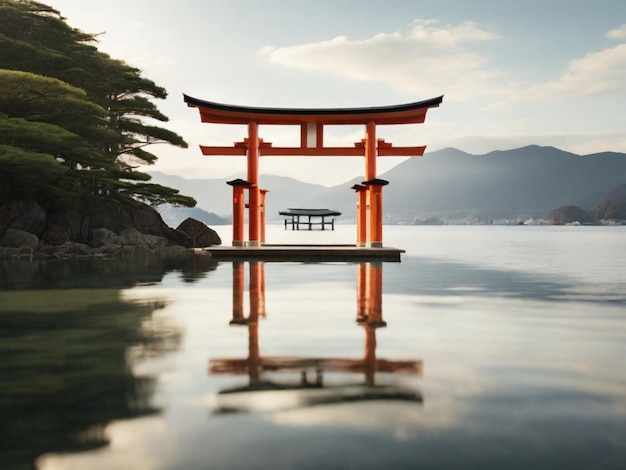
(311, 123)
(315, 218)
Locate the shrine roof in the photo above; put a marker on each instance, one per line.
(312, 212)
(231, 114)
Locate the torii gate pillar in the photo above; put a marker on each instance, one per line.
(238, 210)
(254, 232)
(375, 190)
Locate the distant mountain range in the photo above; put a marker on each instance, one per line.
(447, 184)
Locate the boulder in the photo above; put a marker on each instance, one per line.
(55, 235)
(200, 234)
(32, 219)
(102, 236)
(109, 251)
(24, 215)
(19, 238)
(70, 225)
(131, 236)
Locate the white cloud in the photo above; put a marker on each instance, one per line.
(428, 31)
(434, 59)
(617, 33)
(596, 73)
(430, 60)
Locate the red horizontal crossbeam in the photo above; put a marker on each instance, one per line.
(266, 149)
(401, 151)
(312, 152)
(278, 364)
(223, 151)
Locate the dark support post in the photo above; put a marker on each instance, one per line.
(263, 193)
(361, 214)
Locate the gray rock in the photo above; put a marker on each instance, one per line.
(103, 236)
(19, 238)
(24, 215)
(131, 236)
(32, 218)
(55, 235)
(73, 223)
(199, 232)
(73, 250)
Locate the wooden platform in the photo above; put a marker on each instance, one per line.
(304, 253)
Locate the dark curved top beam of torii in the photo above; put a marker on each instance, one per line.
(230, 114)
(311, 122)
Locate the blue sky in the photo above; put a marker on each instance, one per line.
(514, 73)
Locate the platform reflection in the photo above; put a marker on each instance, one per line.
(278, 383)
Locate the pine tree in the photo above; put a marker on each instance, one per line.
(90, 120)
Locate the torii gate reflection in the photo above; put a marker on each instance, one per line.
(369, 315)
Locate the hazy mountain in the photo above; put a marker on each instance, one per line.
(212, 195)
(173, 216)
(528, 181)
(448, 184)
(215, 196)
(287, 192)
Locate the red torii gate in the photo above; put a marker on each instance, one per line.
(312, 122)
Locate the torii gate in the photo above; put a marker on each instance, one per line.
(312, 122)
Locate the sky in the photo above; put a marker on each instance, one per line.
(513, 73)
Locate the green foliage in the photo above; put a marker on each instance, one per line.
(155, 193)
(45, 99)
(27, 174)
(61, 97)
(56, 141)
(48, 100)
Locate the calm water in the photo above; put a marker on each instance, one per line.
(486, 347)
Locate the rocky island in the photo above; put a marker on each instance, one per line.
(94, 228)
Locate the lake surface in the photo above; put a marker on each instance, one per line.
(486, 347)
